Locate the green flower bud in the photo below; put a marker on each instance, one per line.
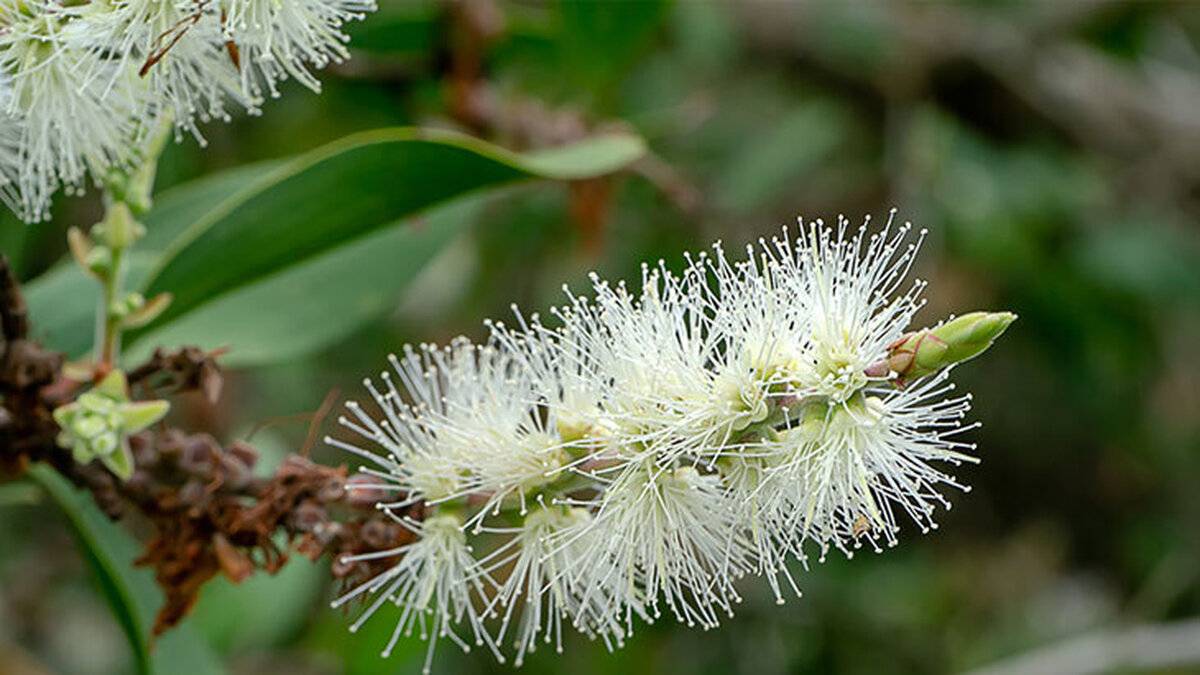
(98, 261)
(65, 416)
(105, 443)
(81, 451)
(147, 311)
(136, 188)
(929, 350)
(93, 402)
(81, 248)
(98, 424)
(125, 306)
(119, 229)
(89, 426)
(114, 386)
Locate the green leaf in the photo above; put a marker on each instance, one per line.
(62, 302)
(119, 461)
(328, 240)
(175, 209)
(19, 493)
(130, 591)
(114, 386)
(245, 226)
(319, 302)
(345, 190)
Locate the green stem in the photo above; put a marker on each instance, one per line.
(108, 324)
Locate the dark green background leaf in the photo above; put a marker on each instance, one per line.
(323, 241)
(130, 590)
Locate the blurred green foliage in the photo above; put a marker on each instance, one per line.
(1050, 148)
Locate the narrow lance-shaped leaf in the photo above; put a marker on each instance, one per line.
(131, 591)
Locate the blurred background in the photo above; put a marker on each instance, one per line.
(1053, 151)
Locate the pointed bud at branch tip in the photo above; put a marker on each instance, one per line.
(926, 351)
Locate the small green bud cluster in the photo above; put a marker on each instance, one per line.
(98, 254)
(98, 424)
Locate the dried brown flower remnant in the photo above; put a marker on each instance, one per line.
(175, 370)
(211, 513)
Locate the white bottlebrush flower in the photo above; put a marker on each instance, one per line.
(282, 40)
(543, 589)
(856, 307)
(760, 327)
(672, 439)
(646, 348)
(663, 534)
(760, 507)
(459, 422)
(759, 308)
(91, 80)
(650, 353)
(436, 583)
(488, 418)
(178, 48)
(10, 157)
(70, 126)
(846, 468)
(562, 375)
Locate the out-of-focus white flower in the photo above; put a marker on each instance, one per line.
(69, 125)
(282, 40)
(10, 156)
(436, 584)
(90, 81)
(178, 48)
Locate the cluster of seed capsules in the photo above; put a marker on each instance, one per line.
(84, 86)
(639, 454)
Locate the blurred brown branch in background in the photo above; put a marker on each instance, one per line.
(524, 123)
(1141, 114)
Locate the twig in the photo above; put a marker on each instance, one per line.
(1148, 647)
(314, 426)
(210, 512)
